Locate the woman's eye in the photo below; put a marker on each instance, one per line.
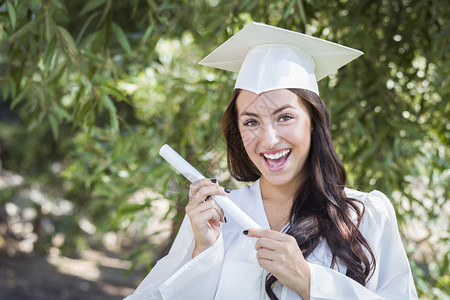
(250, 123)
(285, 118)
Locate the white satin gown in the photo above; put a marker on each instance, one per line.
(229, 269)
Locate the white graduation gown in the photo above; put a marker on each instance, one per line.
(229, 269)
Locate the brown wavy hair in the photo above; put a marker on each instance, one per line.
(320, 210)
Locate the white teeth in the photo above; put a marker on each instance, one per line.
(277, 155)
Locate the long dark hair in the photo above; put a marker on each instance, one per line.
(320, 210)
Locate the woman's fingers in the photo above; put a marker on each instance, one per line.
(205, 217)
(209, 205)
(266, 233)
(280, 254)
(202, 193)
(265, 254)
(204, 213)
(265, 243)
(200, 190)
(205, 220)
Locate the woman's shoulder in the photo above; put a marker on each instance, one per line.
(376, 206)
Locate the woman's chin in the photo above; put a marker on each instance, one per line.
(278, 179)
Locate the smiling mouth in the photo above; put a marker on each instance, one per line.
(276, 161)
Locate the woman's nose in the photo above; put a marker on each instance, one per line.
(271, 138)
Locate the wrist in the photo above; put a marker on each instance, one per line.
(305, 294)
(304, 289)
(197, 250)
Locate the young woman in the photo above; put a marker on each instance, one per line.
(319, 240)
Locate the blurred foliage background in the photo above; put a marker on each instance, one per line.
(91, 89)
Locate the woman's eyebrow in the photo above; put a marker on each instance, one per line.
(250, 114)
(276, 111)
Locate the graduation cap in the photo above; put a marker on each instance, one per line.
(269, 58)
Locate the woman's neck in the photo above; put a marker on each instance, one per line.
(280, 194)
(277, 201)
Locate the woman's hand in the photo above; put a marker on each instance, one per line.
(279, 254)
(204, 213)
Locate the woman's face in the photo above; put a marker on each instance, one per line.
(276, 131)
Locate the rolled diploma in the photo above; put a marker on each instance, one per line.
(192, 175)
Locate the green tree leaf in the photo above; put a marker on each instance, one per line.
(121, 37)
(49, 54)
(109, 103)
(91, 5)
(54, 126)
(69, 43)
(24, 29)
(12, 14)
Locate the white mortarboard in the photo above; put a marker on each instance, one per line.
(269, 58)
